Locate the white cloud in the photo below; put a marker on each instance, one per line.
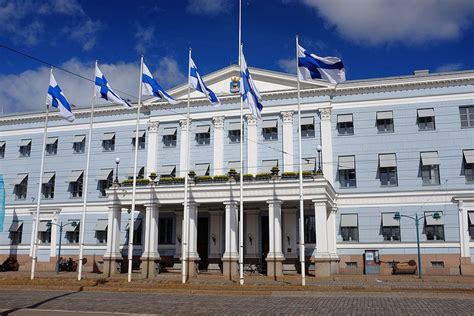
(84, 33)
(405, 21)
(287, 65)
(208, 7)
(450, 67)
(144, 37)
(168, 73)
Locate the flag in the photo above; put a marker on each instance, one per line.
(151, 86)
(198, 84)
(311, 66)
(57, 100)
(105, 91)
(248, 91)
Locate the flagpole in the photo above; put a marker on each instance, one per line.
(241, 204)
(86, 183)
(38, 202)
(302, 247)
(185, 229)
(131, 227)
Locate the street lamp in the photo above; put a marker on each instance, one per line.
(61, 226)
(319, 148)
(117, 161)
(417, 220)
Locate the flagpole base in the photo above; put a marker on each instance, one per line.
(230, 268)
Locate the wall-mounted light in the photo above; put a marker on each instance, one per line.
(250, 239)
(178, 238)
(213, 237)
(288, 239)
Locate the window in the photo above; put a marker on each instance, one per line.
(307, 127)
(140, 172)
(79, 144)
(168, 171)
(21, 186)
(137, 231)
(347, 172)
(25, 148)
(390, 227)
(345, 125)
(349, 227)
(52, 146)
(309, 229)
(434, 228)
(467, 116)
(47, 189)
(234, 132)
(165, 231)
(267, 165)
(108, 142)
(202, 169)
(351, 264)
(437, 264)
(72, 231)
(470, 216)
(15, 232)
(388, 170)
(101, 231)
(203, 135)
(430, 168)
(169, 137)
(141, 139)
(385, 122)
(426, 120)
(270, 130)
(75, 183)
(44, 232)
(104, 181)
(469, 165)
(2, 149)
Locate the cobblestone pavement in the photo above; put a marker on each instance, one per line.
(341, 303)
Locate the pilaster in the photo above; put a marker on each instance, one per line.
(113, 256)
(326, 144)
(275, 255)
(152, 150)
(251, 144)
(231, 255)
(287, 117)
(185, 129)
(150, 255)
(218, 162)
(192, 255)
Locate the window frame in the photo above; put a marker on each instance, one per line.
(436, 229)
(308, 131)
(108, 145)
(77, 186)
(345, 128)
(469, 110)
(310, 229)
(433, 171)
(21, 189)
(388, 173)
(79, 147)
(25, 151)
(234, 136)
(166, 227)
(47, 189)
(2, 150)
(388, 232)
(345, 174)
(141, 142)
(270, 133)
(169, 141)
(203, 139)
(52, 149)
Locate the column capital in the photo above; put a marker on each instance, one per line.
(287, 116)
(183, 124)
(251, 120)
(334, 209)
(319, 203)
(151, 204)
(115, 206)
(275, 202)
(218, 121)
(153, 126)
(325, 113)
(192, 204)
(231, 203)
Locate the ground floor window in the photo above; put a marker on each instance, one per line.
(165, 231)
(309, 229)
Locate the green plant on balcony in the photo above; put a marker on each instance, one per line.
(203, 179)
(220, 178)
(140, 182)
(290, 175)
(275, 170)
(171, 180)
(263, 176)
(152, 176)
(191, 174)
(248, 177)
(307, 174)
(232, 173)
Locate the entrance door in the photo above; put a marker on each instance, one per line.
(203, 242)
(265, 237)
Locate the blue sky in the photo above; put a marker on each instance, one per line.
(374, 38)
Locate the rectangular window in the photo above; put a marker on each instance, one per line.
(467, 116)
(2, 149)
(47, 189)
(437, 264)
(270, 130)
(44, 232)
(426, 120)
(267, 165)
(388, 170)
(307, 127)
(76, 183)
(309, 229)
(52, 146)
(203, 135)
(165, 231)
(347, 172)
(169, 137)
(434, 228)
(345, 124)
(101, 231)
(104, 181)
(168, 171)
(16, 232)
(108, 142)
(137, 231)
(430, 168)
(390, 227)
(468, 161)
(141, 139)
(349, 227)
(72, 231)
(25, 148)
(385, 122)
(202, 169)
(21, 186)
(470, 215)
(234, 132)
(79, 144)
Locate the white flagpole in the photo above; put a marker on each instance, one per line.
(38, 202)
(134, 188)
(185, 233)
(302, 247)
(86, 183)
(241, 221)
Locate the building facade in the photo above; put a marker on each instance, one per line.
(392, 145)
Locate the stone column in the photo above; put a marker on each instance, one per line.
(230, 259)
(182, 146)
(275, 255)
(150, 256)
(218, 162)
(216, 238)
(113, 256)
(326, 139)
(251, 144)
(152, 150)
(192, 255)
(288, 162)
(332, 234)
(54, 237)
(325, 264)
(467, 268)
(178, 240)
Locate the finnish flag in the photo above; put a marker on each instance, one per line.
(311, 66)
(151, 87)
(103, 89)
(57, 100)
(248, 91)
(198, 84)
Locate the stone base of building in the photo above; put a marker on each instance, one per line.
(467, 267)
(112, 266)
(325, 266)
(150, 267)
(192, 267)
(230, 267)
(275, 267)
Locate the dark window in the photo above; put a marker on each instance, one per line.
(101, 231)
(75, 188)
(16, 232)
(105, 184)
(471, 223)
(467, 116)
(391, 233)
(345, 128)
(72, 235)
(108, 143)
(385, 125)
(426, 120)
(2, 150)
(309, 229)
(270, 133)
(350, 233)
(25, 148)
(44, 234)
(234, 136)
(141, 140)
(52, 146)
(169, 140)
(21, 189)
(137, 234)
(430, 174)
(388, 176)
(307, 131)
(48, 188)
(347, 178)
(434, 232)
(203, 138)
(79, 145)
(165, 231)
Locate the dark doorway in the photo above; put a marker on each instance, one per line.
(203, 242)
(265, 237)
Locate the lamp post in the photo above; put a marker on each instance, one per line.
(319, 148)
(61, 226)
(117, 161)
(417, 220)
